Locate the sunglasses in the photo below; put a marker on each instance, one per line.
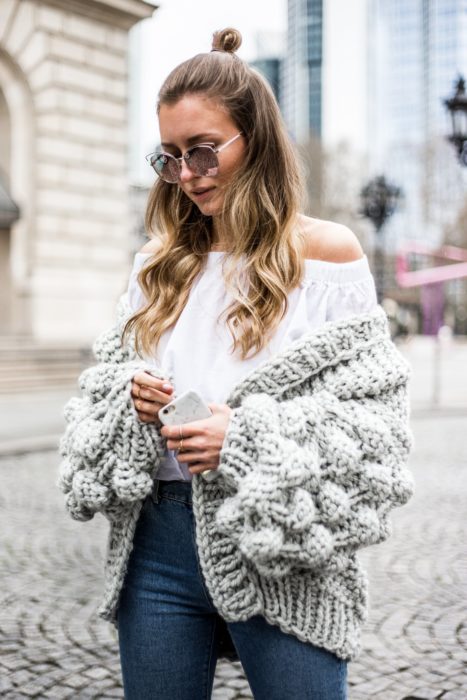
(201, 159)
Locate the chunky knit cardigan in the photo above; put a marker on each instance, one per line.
(314, 458)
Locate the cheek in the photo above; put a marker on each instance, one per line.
(235, 163)
(229, 170)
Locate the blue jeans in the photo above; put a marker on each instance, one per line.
(168, 626)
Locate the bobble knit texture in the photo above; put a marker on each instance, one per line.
(314, 459)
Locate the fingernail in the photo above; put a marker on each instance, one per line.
(166, 386)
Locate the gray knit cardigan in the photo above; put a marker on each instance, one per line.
(314, 458)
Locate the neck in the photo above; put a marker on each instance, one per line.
(219, 246)
(219, 240)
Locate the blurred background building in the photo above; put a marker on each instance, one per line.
(64, 163)
(270, 48)
(417, 50)
(302, 75)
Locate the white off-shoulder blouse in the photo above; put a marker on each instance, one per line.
(196, 352)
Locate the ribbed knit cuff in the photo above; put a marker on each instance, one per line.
(238, 455)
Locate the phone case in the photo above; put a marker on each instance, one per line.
(185, 408)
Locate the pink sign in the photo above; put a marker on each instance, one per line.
(431, 275)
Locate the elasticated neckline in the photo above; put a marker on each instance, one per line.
(322, 270)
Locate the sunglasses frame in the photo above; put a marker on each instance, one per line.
(186, 157)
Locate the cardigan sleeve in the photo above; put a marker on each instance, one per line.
(108, 454)
(313, 478)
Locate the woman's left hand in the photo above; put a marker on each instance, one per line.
(199, 443)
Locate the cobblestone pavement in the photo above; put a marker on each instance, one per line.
(415, 643)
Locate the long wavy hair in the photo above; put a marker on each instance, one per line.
(259, 217)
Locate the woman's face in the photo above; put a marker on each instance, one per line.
(196, 119)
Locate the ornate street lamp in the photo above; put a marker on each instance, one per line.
(457, 107)
(379, 201)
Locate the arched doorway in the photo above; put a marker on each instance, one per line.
(9, 213)
(17, 198)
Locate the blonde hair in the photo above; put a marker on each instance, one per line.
(265, 260)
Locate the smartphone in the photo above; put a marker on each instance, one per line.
(184, 409)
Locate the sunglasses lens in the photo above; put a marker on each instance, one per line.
(202, 161)
(166, 167)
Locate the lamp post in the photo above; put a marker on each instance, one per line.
(379, 201)
(457, 107)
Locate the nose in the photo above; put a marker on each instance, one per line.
(185, 173)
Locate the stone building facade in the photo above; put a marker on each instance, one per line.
(65, 237)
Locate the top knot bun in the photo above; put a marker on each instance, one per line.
(228, 40)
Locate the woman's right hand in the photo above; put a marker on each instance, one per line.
(149, 395)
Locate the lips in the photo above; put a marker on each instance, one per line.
(201, 190)
(200, 194)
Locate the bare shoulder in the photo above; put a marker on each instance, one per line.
(152, 246)
(328, 241)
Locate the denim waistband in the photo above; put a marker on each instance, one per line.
(176, 490)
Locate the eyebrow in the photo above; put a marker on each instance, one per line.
(198, 138)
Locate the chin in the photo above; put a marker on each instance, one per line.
(209, 209)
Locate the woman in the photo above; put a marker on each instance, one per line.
(272, 317)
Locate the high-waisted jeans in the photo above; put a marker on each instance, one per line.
(168, 625)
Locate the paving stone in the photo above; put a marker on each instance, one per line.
(114, 693)
(226, 670)
(34, 656)
(104, 684)
(391, 695)
(241, 683)
(60, 693)
(459, 678)
(76, 681)
(14, 662)
(71, 664)
(20, 678)
(97, 673)
(5, 685)
(44, 669)
(224, 694)
(7, 647)
(449, 685)
(377, 685)
(427, 693)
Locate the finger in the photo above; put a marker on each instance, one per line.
(190, 445)
(141, 391)
(143, 378)
(188, 429)
(148, 393)
(191, 457)
(146, 407)
(198, 468)
(154, 395)
(145, 417)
